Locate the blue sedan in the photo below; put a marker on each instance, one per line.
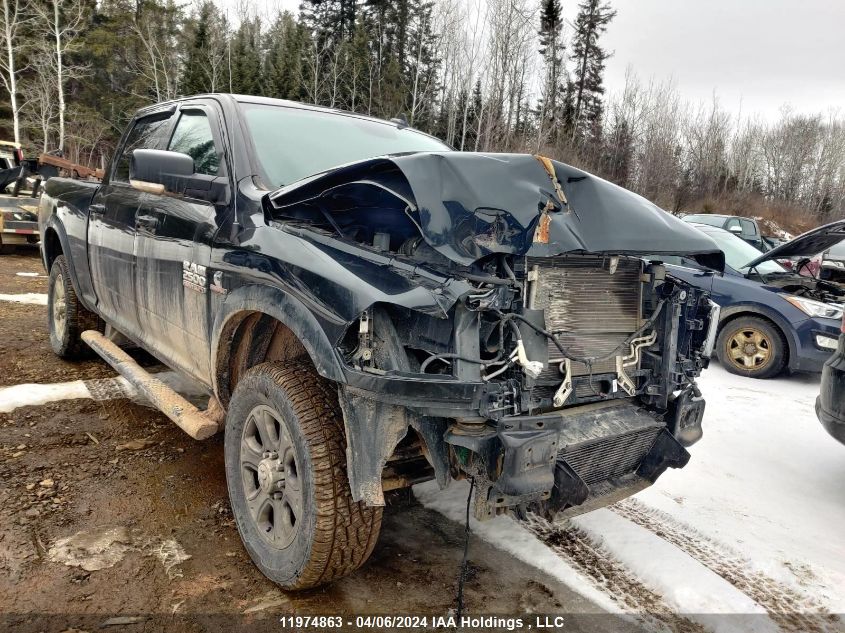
(771, 319)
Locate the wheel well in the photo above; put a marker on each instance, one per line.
(762, 317)
(248, 339)
(52, 247)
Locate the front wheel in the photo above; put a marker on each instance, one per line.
(753, 347)
(66, 318)
(285, 454)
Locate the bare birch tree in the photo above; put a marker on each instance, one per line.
(60, 21)
(14, 17)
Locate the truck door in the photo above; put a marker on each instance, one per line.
(111, 226)
(175, 233)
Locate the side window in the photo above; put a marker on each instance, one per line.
(748, 228)
(192, 136)
(147, 133)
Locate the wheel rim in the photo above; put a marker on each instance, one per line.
(749, 349)
(59, 306)
(270, 475)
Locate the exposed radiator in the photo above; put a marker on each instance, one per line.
(591, 310)
(602, 459)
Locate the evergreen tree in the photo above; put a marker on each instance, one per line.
(331, 21)
(554, 84)
(195, 78)
(246, 58)
(587, 86)
(282, 70)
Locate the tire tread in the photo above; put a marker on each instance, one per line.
(345, 531)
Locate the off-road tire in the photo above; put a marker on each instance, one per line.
(65, 336)
(777, 347)
(335, 535)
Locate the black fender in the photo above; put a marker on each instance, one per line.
(755, 309)
(84, 294)
(286, 309)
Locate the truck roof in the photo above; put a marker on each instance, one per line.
(239, 98)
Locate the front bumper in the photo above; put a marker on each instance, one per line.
(830, 404)
(571, 461)
(809, 355)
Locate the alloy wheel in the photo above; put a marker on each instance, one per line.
(59, 306)
(270, 475)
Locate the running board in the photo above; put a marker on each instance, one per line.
(198, 424)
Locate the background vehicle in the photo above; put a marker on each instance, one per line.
(747, 229)
(830, 404)
(771, 319)
(427, 314)
(18, 222)
(11, 163)
(832, 264)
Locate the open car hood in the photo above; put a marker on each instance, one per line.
(468, 205)
(806, 245)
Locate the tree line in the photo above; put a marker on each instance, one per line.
(484, 75)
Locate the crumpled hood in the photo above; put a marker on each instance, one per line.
(470, 205)
(807, 244)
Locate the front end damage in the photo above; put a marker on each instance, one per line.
(509, 321)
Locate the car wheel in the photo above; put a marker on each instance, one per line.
(285, 455)
(753, 347)
(66, 318)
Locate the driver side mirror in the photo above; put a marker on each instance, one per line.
(736, 230)
(160, 171)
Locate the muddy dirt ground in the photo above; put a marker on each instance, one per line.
(61, 473)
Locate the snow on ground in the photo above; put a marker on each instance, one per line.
(762, 497)
(33, 394)
(27, 297)
(767, 480)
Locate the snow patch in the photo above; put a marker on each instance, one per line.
(103, 547)
(170, 554)
(686, 585)
(37, 394)
(92, 550)
(34, 394)
(37, 298)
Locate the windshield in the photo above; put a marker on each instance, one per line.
(837, 251)
(292, 143)
(738, 253)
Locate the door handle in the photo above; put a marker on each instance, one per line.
(96, 209)
(146, 222)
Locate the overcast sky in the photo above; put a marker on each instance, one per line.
(757, 53)
(761, 53)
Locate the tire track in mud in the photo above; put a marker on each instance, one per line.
(574, 546)
(789, 608)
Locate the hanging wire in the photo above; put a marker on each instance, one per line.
(464, 564)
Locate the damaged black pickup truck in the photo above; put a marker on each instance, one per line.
(371, 310)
